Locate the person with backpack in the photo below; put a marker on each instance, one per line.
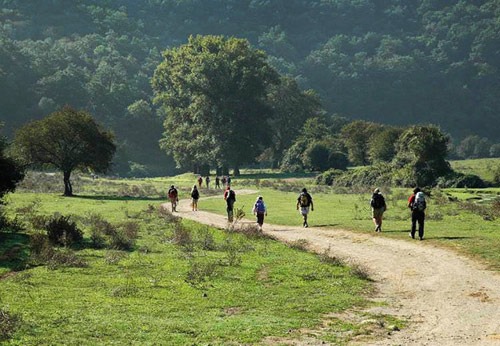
(378, 208)
(217, 182)
(207, 181)
(228, 180)
(173, 195)
(195, 196)
(417, 205)
(260, 210)
(305, 203)
(224, 181)
(230, 197)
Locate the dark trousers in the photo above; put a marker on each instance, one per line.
(230, 208)
(417, 216)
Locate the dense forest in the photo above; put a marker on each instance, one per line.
(389, 61)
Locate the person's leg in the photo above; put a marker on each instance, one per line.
(380, 223)
(413, 224)
(421, 221)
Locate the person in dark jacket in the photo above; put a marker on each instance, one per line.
(378, 208)
(230, 197)
(417, 205)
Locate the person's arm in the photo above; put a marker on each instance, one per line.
(298, 203)
(254, 210)
(312, 205)
(265, 208)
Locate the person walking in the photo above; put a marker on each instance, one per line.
(207, 181)
(260, 210)
(228, 180)
(417, 205)
(217, 182)
(200, 181)
(305, 203)
(195, 196)
(224, 181)
(378, 208)
(173, 195)
(230, 197)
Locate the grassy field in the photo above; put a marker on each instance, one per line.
(485, 168)
(180, 283)
(465, 220)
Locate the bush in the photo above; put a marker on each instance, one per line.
(328, 177)
(62, 231)
(200, 272)
(495, 150)
(460, 180)
(9, 323)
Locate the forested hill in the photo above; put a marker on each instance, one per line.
(391, 61)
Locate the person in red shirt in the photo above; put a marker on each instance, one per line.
(417, 205)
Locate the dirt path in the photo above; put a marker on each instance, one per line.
(448, 299)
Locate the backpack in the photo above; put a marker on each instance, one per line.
(231, 196)
(260, 207)
(419, 204)
(304, 200)
(195, 194)
(377, 201)
(172, 193)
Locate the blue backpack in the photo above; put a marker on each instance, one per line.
(260, 207)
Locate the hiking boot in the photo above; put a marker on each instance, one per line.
(421, 238)
(306, 225)
(411, 236)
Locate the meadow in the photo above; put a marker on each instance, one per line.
(173, 282)
(485, 168)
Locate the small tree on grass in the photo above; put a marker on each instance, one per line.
(66, 140)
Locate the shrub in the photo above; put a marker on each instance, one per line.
(299, 244)
(460, 180)
(495, 150)
(9, 323)
(65, 258)
(206, 239)
(62, 231)
(328, 177)
(120, 240)
(200, 272)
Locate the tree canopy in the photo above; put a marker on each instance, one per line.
(66, 140)
(214, 94)
(11, 171)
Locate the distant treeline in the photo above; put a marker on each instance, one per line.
(385, 61)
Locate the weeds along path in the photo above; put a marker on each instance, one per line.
(448, 299)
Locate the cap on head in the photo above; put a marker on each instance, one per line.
(260, 198)
(172, 186)
(417, 189)
(304, 190)
(377, 190)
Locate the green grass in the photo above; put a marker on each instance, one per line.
(144, 297)
(450, 224)
(485, 168)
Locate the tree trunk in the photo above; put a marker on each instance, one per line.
(236, 171)
(68, 188)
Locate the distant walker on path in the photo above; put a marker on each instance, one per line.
(378, 208)
(260, 210)
(230, 197)
(195, 196)
(173, 195)
(305, 203)
(417, 205)
(217, 182)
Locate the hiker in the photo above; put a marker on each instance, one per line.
(305, 203)
(224, 180)
(378, 208)
(260, 210)
(174, 197)
(200, 181)
(228, 180)
(195, 196)
(230, 197)
(417, 205)
(207, 181)
(217, 182)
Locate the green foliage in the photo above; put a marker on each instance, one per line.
(459, 180)
(382, 145)
(66, 140)
(61, 230)
(213, 91)
(356, 137)
(320, 157)
(11, 172)
(495, 150)
(473, 147)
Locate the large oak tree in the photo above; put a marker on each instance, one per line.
(214, 93)
(66, 140)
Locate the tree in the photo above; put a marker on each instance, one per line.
(421, 153)
(320, 156)
(382, 145)
(495, 150)
(214, 94)
(66, 140)
(473, 147)
(292, 107)
(10, 171)
(356, 137)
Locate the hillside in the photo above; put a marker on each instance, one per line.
(381, 60)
